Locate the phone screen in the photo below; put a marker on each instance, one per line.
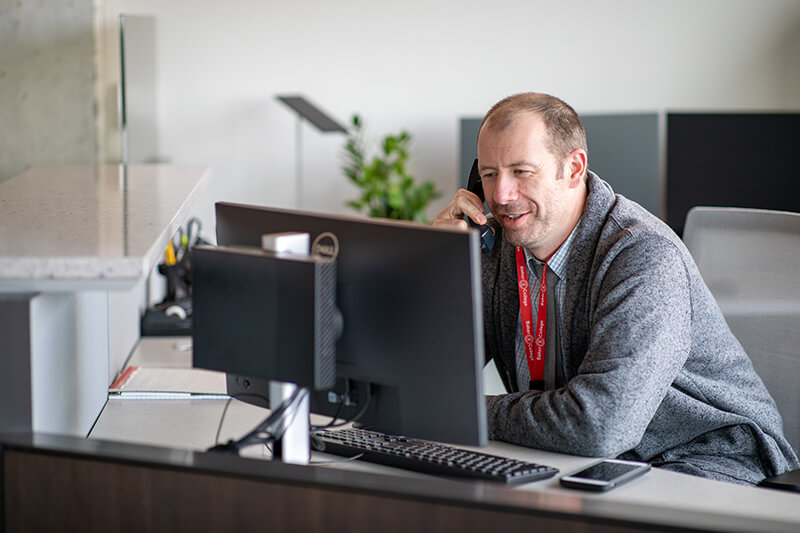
(606, 471)
(605, 475)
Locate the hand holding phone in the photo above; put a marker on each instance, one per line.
(604, 475)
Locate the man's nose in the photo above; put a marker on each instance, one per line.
(505, 191)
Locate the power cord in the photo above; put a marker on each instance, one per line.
(228, 403)
(272, 428)
(355, 418)
(336, 461)
(268, 430)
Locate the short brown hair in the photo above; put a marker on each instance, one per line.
(565, 131)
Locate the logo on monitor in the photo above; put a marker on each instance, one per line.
(326, 245)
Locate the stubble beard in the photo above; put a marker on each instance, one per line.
(526, 238)
(529, 235)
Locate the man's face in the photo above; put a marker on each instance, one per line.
(526, 187)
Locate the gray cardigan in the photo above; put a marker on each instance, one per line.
(653, 371)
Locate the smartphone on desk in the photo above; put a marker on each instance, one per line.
(605, 475)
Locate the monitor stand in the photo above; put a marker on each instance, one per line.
(294, 444)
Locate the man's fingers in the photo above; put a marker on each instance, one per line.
(475, 212)
(464, 203)
(457, 223)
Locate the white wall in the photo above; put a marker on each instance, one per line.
(420, 65)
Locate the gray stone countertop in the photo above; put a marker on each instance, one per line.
(66, 227)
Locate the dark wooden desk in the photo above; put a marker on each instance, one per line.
(55, 483)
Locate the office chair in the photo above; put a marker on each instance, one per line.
(750, 260)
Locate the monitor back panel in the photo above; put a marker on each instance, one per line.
(410, 297)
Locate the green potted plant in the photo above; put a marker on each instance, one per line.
(387, 189)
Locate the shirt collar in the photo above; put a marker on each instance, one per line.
(558, 261)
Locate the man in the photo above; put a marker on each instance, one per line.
(619, 349)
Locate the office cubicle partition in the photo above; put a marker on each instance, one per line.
(731, 160)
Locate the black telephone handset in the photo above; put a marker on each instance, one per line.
(474, 185)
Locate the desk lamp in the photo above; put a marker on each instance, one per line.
(305, 110)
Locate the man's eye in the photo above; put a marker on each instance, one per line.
(521, 172)
(489, 176)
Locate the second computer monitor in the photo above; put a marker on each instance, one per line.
(410, 299)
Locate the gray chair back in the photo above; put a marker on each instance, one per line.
(750, 260)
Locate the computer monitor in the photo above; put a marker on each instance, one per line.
(411, 347)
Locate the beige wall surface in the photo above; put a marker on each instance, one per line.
(47, 91)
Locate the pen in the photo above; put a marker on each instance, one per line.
(169, 255)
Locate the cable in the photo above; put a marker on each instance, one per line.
(292, 413)
(263, 432)
(355, 418)
(221, 420)
(335, 415)
(244, 394)
(360, 413)
(225, 410)
(274, 426)
(335, 461)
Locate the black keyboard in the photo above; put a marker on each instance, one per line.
(430, 457)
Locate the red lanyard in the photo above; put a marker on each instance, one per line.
(534, 347)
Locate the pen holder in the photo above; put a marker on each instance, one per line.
(170, 273)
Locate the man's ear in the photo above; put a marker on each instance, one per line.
(576, 167)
